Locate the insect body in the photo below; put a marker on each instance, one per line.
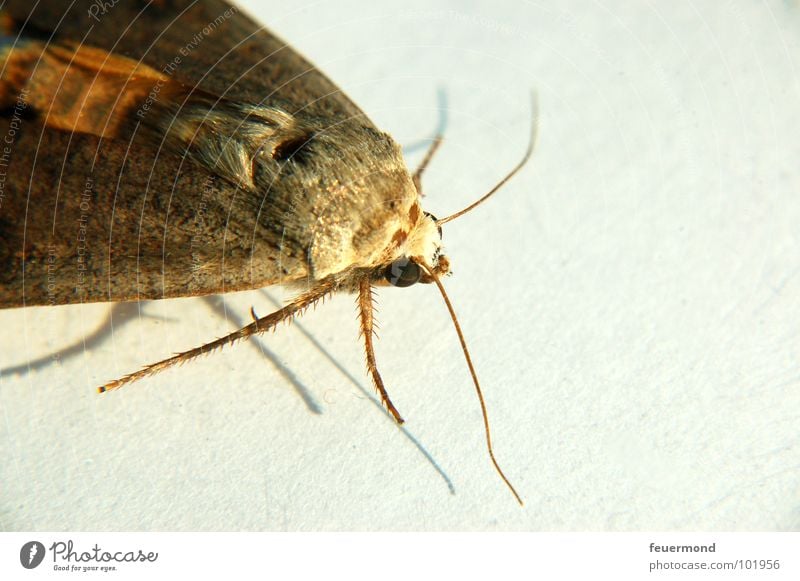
(179, 149)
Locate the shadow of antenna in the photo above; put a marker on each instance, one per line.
(441, 126)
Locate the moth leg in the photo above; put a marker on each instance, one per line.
(368, 332)
(437, 141)
(258, 326)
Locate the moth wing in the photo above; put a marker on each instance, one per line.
(211, 44)
(87, 219)
(92, 219)
(84, 220)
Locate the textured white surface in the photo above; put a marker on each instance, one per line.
(632, 302)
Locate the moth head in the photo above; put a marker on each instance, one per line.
(421, 246)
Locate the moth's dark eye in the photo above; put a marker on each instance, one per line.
(291, 149)
(402, 272)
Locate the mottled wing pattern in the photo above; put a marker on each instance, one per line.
(104, 197)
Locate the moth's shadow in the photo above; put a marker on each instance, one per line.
(121, 314)
(368, 394)
(217, 305)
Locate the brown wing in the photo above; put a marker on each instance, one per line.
(119, 183)
(124, 230)
(207, 43)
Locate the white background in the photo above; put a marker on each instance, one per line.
(631, 300)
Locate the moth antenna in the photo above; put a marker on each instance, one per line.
(365, 307)
(474, 375)
(417, 178)
(513, 172)
(257, 327)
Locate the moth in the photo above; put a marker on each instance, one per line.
(177, 148)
